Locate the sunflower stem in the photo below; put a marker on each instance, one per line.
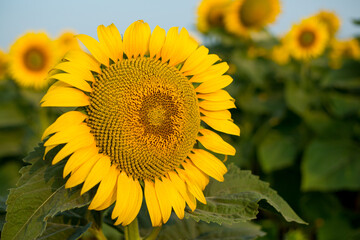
(132, 231)
(154, 233)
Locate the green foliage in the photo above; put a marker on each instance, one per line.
(236, 199)
(40, 195)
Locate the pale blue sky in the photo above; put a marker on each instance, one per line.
(83, 16)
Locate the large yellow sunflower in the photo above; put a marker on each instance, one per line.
(3, 64)
(138, 132)
(331, 21)
(31, 58)
(308, 39)
(211, 13)
(246, 16)
(67, 41)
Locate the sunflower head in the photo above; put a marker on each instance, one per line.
(246, 16)
(211, 13)
(343, 49)
(67, 41)
(308, 39)
(4, 59)
(146, 99)
(280, 54)
(331, 21)
(31, 58)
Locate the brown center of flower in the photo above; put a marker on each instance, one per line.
(215, 17)
(144, 115)
(307, 38)
(254, 13)
(34, 59)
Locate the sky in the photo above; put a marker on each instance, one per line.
(83, 16)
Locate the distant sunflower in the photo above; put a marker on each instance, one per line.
(4, 59)
(280, 54)
(210, 14)
(31, 58)
(246, 16)
(331, 21)
(343, 49)
(67, 41)
(143, 99)
(308, 39)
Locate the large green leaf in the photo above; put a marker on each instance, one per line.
(236, 199)
(347, 77)
(40, 195)
(344, 104)
(331, 165)
(276, 151)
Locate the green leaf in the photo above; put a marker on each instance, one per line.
(276, 151)
(296, 98)
(236, 199)
(331, 165)
(344, 104)
(40, 194)
(11, 141)
(11, 115)
(189, 229)
(347, 77)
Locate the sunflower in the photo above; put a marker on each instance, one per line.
(31, 58)
(246, 16)
(308, 39)
(3, 65)
(343, 49)
(331, 21)
(280, 54)
(67, 41)
(211, 14)
(143, 100)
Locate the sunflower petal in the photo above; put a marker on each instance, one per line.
(219, 95)
(152, 204)
(79, 175)
(185, 46)
(215, 143)
(220, 125)
(214, 71)
(76, 70)
(67, 134)
(164, 203)
(206, 62)
(134, 208)
(84, 60)
(224, 114)
(95, 48)
(64, 97)
(216, 106)
(195, 59)
(198, 176)
(170, 41)
(208, 163)
(180, 185)
(109, 43)
(175, 199)
(193, 188)
(74, 81)
(136, 39)
(157, 41)
(214, 84)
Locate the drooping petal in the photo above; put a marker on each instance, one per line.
(79, 175)
(136, 39)
(97, 173)
(224, 114)
(64, 97)
(176, 200)
(157, 41)
(134, 208)
(217, 106)
(181, 187)
(198, 176)
(152, 204)
(220, 125)
(215, 143)
(219, 95)
(208, 163)
(67, 134)
(95, 48)
(164, 203)
(193, 188)
(214, 84)
(106, 188)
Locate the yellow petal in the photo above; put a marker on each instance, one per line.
(81, 141)
(64, 97)
(216, 106)
(219, 95)
(214, 71)
(67, 134)
(164, 203)
(185, 46)
(214, 84)
(180, 185)
(215, 143)
(198, 176)
(97, 173)
(175, 199)
(79, 157)
(109, 200)
(95, 48)
(193, 188)
(135, 204)
(109, 43)
(72, 80)
(220, 125)
(195, 59)
(156, 43)
(170, 41)
(202, 66)
(76, 70)
(136, 39)
(84, 60)
(79, 175)
(224, 114)
(64, 121)
(152, 204)
(118, 41)
(106, 188)
(208, 163)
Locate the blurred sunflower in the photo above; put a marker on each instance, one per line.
(143, 100)
(308, 39)
(280, 54)
(4, 59)
(31, 58)
(67, 41)
(210, 14)
(246, 16)
(331, 21)
(343, 49)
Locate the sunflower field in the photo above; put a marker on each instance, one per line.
(151, 134)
